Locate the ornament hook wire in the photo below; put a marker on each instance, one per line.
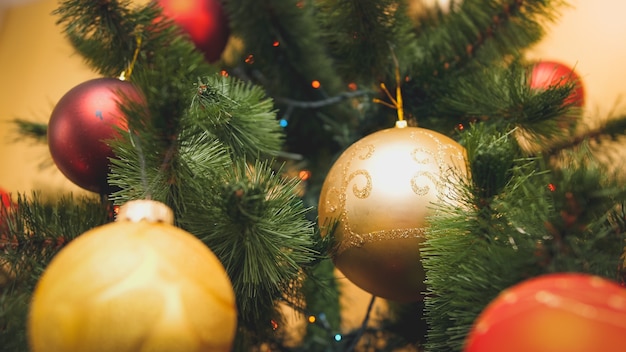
(129, 70)
(396, 103)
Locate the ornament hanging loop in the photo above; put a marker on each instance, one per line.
(138, 41)
(146, 210)
(396, 103)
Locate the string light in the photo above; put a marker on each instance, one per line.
(552, 187)
(249, 60)
(274, 324)
(113, 211)
(316, 84)
(304, 175)
(276, 43)
(352, 86)
(321, 320)
(224, 73)
(283, 123)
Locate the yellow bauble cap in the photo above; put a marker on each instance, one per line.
(138, 284)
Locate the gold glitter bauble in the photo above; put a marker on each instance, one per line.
(379, 194)
(137, 284)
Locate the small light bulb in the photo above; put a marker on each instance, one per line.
(304, 175)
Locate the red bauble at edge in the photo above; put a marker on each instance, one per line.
(5, 198)
(80, 125)
(546, 74)
(205, 22)
(561, 312)
(6, 207)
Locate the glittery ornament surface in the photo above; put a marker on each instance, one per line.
(380, 193)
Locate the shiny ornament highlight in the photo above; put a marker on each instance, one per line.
(443, 5)
(561, 312)
(137, 284)
(81, 122)
(205, 22)
(380, 193)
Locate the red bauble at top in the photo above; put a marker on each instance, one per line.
(81, 123)
(546, 74)
(564, 312)
(204, 21)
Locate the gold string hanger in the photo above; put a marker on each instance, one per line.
(129, 70)
(397, 102)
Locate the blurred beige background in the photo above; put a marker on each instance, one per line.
(37, 67)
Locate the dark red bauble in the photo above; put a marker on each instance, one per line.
(560, 312)
(79, 126)
(205, 22)
(546, 74)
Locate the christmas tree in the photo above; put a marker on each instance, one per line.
(265, 150)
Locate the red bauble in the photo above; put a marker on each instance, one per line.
(204, 21)
(5, 197)
(546, 74)
(566, 312)
(4, 212)
(79, 126)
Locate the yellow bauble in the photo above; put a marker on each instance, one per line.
(137, 284)
(379, 194)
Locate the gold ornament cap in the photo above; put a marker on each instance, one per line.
(145, 210)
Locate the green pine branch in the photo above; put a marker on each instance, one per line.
(363, 36)
(36, 131)
(283, 51)
(100, 33)
(254, 221)
(239, 114)
(544, 220)
(35, 228)
(602, 136)
(283, 47)
(475, 34)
